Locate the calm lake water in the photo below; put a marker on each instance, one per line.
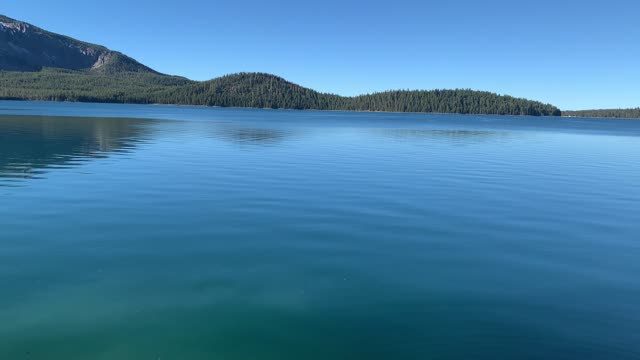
(158, 232)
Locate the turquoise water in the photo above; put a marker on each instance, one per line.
(158, 232)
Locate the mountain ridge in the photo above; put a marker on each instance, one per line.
(25, 47)
(36, 64)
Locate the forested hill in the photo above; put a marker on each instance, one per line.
(606, 113)
(248, 90)
(268, 91)
(38, 65)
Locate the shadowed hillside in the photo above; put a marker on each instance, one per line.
(24, 47)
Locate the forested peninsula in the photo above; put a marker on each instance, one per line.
(606, 113)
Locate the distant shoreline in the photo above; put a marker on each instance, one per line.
(278, 109)
(90, 73)
(318, 110)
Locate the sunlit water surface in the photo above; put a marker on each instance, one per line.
(157, 232)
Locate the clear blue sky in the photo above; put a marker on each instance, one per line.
(574, 54)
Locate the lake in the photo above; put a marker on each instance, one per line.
(162, 232)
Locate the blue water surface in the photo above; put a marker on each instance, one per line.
(166, 232)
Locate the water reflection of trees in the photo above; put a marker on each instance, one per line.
(453, 135)
(251, 135)
(31, 145)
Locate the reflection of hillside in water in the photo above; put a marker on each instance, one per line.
(32, 145)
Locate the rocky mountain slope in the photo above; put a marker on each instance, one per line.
(24, 47)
